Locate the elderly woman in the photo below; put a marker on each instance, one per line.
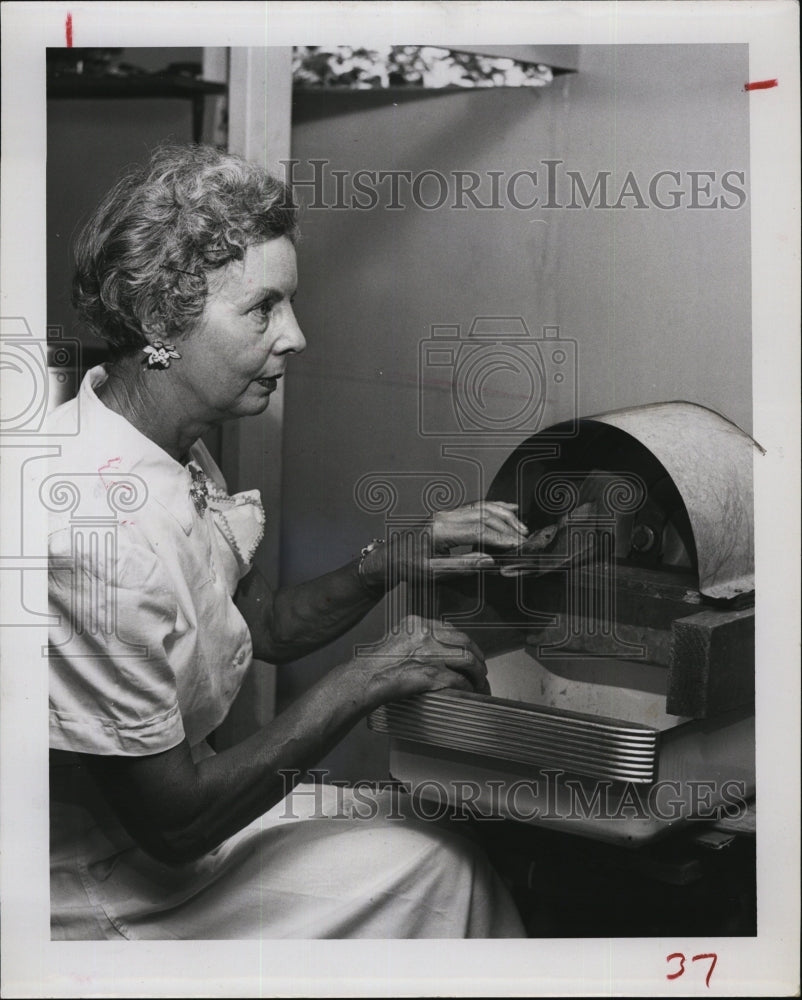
(188, 271)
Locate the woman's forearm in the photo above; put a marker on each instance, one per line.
(293, 621)
(297, 620)
(239, 784)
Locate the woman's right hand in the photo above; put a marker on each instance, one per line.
(421, 656)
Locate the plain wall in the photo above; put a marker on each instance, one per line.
(658, 302)
(90, 143)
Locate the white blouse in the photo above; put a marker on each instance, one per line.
(149, 647)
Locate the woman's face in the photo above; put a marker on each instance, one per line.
(232, 359)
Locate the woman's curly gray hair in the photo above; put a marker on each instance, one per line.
(143, 258)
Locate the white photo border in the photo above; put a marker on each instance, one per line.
(767, 965)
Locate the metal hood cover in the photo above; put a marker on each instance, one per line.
(710, 461)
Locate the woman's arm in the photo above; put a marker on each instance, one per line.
(178, 810)
(289, 623)
(293, 621)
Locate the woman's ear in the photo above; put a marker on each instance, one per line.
(153, 328)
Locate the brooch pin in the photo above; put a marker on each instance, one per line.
(198, 490)
(159, 354)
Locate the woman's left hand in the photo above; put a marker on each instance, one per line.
(486, 523)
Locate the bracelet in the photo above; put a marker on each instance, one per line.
(372, 588)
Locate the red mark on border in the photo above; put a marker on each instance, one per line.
(761, 85)
(678, 955)
(68, 28)
(670, 958)
(712, 955)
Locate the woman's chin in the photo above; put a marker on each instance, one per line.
(254, 403)
(253, 407)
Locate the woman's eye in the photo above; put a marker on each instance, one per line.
(264, 309)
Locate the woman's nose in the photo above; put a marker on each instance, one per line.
(292, 338)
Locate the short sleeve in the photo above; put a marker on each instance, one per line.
(112, 689)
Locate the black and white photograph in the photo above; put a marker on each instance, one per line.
(400, 542)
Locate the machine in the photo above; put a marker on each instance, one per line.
(619, 640)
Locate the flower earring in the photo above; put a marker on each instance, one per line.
(159, 355)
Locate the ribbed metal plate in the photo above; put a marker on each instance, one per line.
(526, 734)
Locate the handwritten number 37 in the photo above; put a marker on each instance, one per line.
(678, 956)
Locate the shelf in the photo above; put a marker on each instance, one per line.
(80, 86)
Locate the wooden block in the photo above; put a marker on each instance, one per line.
(712, 667)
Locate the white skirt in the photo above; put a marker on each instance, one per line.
(313, 867)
